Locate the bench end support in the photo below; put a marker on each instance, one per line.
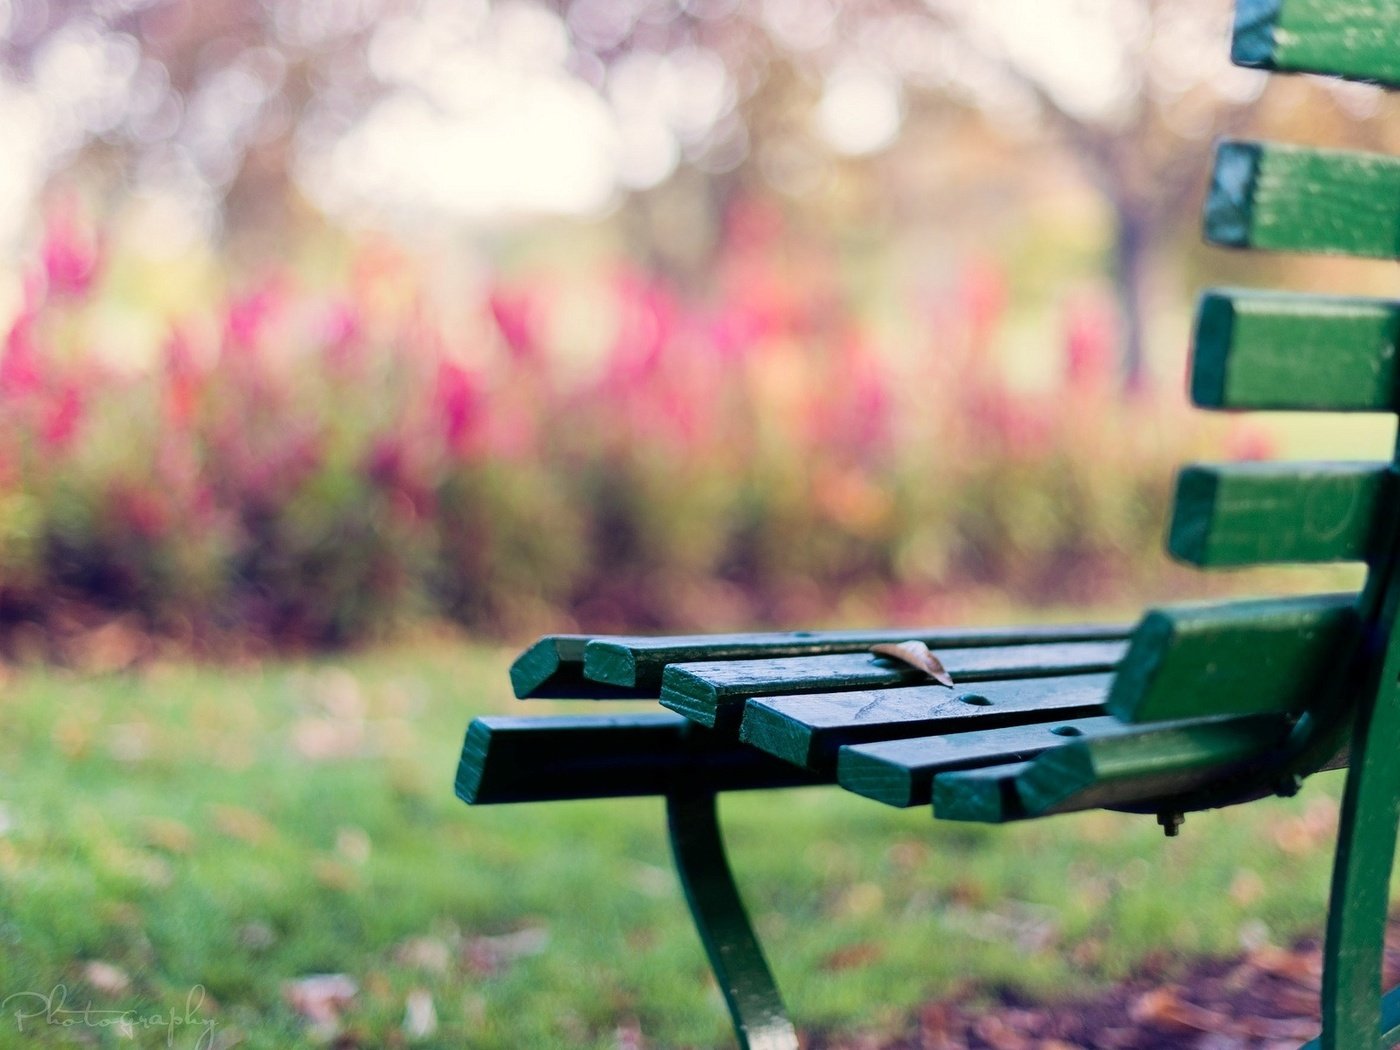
(760, 1019)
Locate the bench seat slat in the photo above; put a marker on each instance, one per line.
(607, 756)
(638, 662)
(552, 669)
(1276, 513)
(1286, 198)
(1233, 658)
(1155, 763)
(1275, 351)
(808, 730)
(1353, 39)
(900, 772)
(713, 694)
(982, 795)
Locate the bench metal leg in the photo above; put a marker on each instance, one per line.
(760, 1020)
(1390, 1023)
(1357, 912)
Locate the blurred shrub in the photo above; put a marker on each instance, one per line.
(317, 467)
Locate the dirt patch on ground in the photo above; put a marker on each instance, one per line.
(1264, 1000)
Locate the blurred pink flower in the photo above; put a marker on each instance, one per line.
(247, 316)
(647, 317)
(182, 378)
(71, 257)
(20, 371)
(62, 418)
(459, 401)
(732, 332)
(342, 330)
(1090, 337)
(516, 314)
(982, 296)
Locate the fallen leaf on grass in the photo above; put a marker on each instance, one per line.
(353, 844)
(851, 957)
(242, 824)
(324, 739)
(489, 955)
(1301, 967)
(918, 656)
(321, 997)
(431, 954)
(105, 978)
(169, 835)
(256, 936)
(420, 1016)
(1165, 1007)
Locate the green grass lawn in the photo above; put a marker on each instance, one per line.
(234, 830)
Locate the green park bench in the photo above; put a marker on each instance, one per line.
(1195, 707)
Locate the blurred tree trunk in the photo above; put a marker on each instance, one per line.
(1133, 244)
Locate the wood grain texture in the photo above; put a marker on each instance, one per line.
(1275, 513)
(1285, 198)
(606, 756)
(1354, 39)
(1271, 350)
(1241, 657)
(639, 662)
(900, 772)
(713, 694)
(808, 730)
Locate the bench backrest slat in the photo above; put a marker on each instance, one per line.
(1353, 39)
(1285, 198)
(1236, 658)
(1275, 513)
(1280, 351)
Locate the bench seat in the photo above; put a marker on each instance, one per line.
(832, 711)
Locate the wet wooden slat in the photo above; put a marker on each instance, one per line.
(808, 730)
(983, 795)
(900, 772)
(1155, 764)
(713, 694)
(607, 756)
(638, 662)
(552, 668)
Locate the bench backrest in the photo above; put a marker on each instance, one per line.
(1254, 350)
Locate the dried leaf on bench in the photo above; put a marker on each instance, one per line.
(918, 656)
